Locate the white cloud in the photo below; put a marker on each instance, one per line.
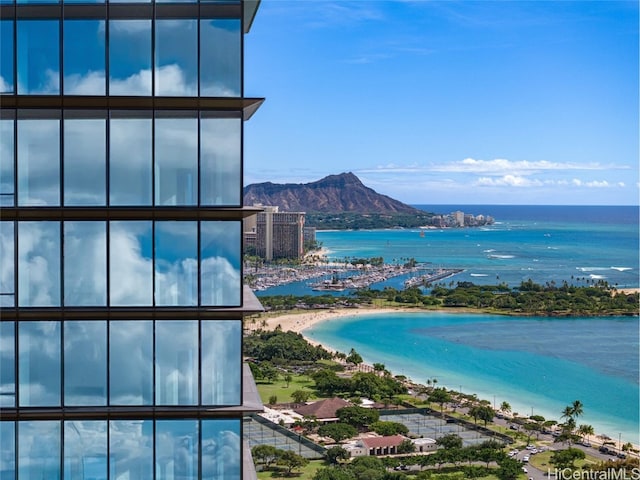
(508, 181)
(90, 83)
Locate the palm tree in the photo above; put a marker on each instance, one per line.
(577, 408)
(585, 431)
(505, 407)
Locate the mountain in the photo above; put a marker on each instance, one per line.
(343, 193)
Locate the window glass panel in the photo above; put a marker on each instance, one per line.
(130, 57)
(85, 450)
(220, 180)
(39, 450)
(7, 265)
(7, 450)
(130, 161)
(176, 66)
(38, 57)
(176, 161)
(39, 364)
(7, 367)
(130, 264)
(221, 450)
(39, 264)
(131, 362)
(84, 57)
(85, 263)
(85, 151)
(85, 363)
(221, 362)
(38, 162)
(177, 362)
(220, 279)
(6, 56)
(7, 158)
(130, 449)
(220, 58)
(176, 263)
(177, 449)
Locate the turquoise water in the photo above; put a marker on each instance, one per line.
(538, 365)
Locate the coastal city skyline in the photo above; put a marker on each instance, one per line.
(441, 102)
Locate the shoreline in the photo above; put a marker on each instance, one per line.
(302, 320)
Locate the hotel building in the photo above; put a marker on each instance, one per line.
(121, 295)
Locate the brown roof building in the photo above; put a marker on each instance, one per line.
(323, 410)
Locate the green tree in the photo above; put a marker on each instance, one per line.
(335, 455)
(509, 469)
(585, 431)
(273, 399)
(449, 441)
(406, 446)
(482, 412)
(265, 454)
(334, 473)
(287, 378)
(354, 357)
(505, 407)
(337, 431)
(439, 396)
(291, 460)
(300, 396)
(389, 428)
(565, 458)
(357, 416)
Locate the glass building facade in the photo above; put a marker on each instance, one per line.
(121, 296)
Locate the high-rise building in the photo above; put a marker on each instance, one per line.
(279, 234)
(121, 296)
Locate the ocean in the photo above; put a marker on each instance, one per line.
(537, 364)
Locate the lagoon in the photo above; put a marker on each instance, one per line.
(537, 364)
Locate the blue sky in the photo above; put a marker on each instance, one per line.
(510, 102)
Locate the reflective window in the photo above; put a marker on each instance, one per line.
(220, 280)
(85, 363)
(220, 177)
(130, 57)
(221, 450)
(6, 57)
(220, 58)
(39, 450)
(38, 57)
(7, 450)
(38, 162)
(85, 161)
(39, 364)
(85, 450)
(130, 449)
(39, 264)
(85, 263)
(130, 151)
(7, 265)
(177, 449)
(84, 57)
(131, 362)
(221, 362)
(176, 161)
(7, 368)
(176, 263)
(130, 264)
(177, 362)
(176, 64)
(7, 158)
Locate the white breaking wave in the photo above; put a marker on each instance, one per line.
(621, 269)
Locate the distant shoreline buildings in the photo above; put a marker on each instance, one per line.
(274, 235)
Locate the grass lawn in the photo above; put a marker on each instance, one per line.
(280, 389)
(305, 473)
(541, 461)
